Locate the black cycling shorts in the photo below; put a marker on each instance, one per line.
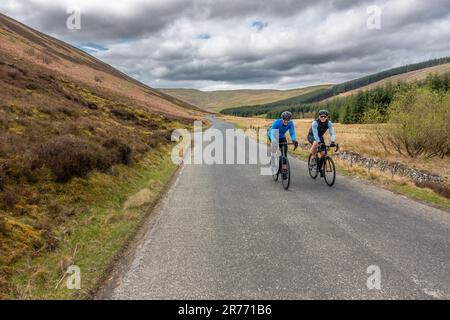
(311, 139)
(283, 146)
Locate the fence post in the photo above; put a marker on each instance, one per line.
(370, 164)
(393, 171)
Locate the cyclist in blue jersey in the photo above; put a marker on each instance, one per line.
(283, 124)
(315, 136)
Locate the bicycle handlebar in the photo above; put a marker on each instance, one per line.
(328, 147)
(288, 143)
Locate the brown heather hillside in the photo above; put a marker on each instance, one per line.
(29, 46)
(65, 115)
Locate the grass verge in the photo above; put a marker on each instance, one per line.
(118, 205)
(380, 179)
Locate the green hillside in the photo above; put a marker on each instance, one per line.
(348, 86)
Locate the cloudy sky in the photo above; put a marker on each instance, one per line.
(231, 44)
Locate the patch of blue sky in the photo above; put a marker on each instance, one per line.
(259, 25)
(91, 47)
(204, 36)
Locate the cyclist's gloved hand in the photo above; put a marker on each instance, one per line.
(296, 144)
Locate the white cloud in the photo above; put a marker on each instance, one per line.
(247, 44)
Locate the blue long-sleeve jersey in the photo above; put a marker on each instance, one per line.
(315, 131)
(282, 129)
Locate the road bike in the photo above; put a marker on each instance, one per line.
(282, 167)
(328, 167)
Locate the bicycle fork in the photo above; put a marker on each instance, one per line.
(283, 166)
(319, 162)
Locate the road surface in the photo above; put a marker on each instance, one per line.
(227, 232)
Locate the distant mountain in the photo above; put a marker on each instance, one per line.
(217, 100)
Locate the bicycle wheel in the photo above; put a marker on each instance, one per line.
(275, 167)
(286, 175)
(312, 166)
(329, 171)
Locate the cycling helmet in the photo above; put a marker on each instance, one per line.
(286, 115)
(323, 112)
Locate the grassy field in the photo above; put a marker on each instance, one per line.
(217, 100)
(112, 208)
(361, 139)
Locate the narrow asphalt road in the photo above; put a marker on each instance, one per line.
(227, 232)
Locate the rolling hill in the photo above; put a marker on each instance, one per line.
(416, 75)
(27, 46)
(72, 129)
(216, 101)
(418, 71)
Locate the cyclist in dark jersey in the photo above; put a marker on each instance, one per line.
(315, 136)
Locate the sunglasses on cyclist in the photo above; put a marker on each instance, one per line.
(324, 117)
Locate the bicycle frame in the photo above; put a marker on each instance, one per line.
(325, 149)
(283, 166)
(323, 160)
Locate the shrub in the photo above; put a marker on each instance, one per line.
(69, 156)
(2, 179)
(10, 198)
(418, 122)
(13, 74)
(123, 114)
(30, 51)
(60, 213)
(159, 137)
(91, 105)
(46, 59)
(2, 225)
(439, 188)
(32, 86)
(68, 111)
(149, 124)
(167, 136)
(121, 151)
